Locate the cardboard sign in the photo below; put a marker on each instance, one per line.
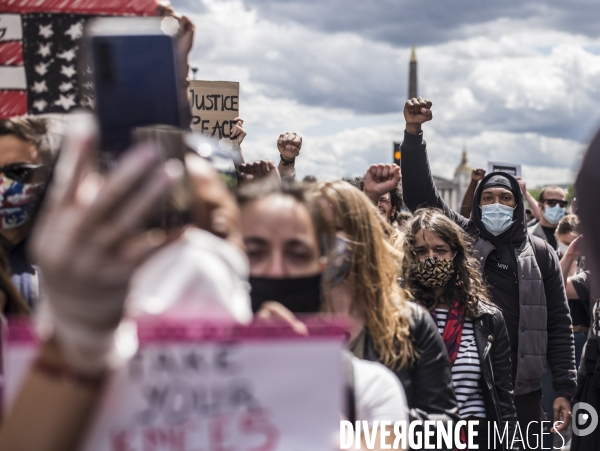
(510, 168)
(198, 386)
(215, 105)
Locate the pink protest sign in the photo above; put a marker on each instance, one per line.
(194, 386)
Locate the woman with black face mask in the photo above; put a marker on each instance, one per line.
(281, 228)
(445, 279)
(288, 245)
(335, 235)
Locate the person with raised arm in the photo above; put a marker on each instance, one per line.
(289, 145)
(523, 274)
(467, 203)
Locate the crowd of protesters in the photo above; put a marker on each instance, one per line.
(485, 314)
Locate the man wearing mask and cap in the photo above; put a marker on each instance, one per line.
(523, 274)
(25, 162)
(552, 201)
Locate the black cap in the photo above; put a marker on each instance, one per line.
(499, 181)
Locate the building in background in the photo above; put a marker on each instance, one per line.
(462, 178)
(453, 191)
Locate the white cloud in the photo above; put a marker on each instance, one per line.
(512, 89)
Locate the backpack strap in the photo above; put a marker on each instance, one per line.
(540, 248)
(348, 369)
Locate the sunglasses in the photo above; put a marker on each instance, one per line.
(553, 202)
(21, 172)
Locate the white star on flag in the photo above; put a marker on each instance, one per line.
(65, 86)
(88, 101)
(75, 30)
(46, 31)
(39, 86)
(40, 105)
(41, 68)
(65, 101)
(44, 49)
(67, 71)
(67, 55)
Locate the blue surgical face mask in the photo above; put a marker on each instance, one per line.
(554, 214)
(497, 218)
(338, 262)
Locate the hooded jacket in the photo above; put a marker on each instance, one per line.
(534, 305)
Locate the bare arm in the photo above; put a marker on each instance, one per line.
(467, 202)
(533, 204)
(571, 291)
(56, 429)
(289, 145)
(238, 132)
(568, 266)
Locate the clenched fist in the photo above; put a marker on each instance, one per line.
(258, 169)
(381, 179)
(477, 174)
(522, 185)
(238, 130)
(416, 112)
(289, 145)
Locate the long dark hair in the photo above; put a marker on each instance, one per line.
(14, 305)
(467, 284)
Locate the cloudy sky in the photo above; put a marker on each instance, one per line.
(514, 81)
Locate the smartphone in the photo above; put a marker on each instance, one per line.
(136, 79)
(139, 94)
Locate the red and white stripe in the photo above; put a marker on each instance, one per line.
(108, 7)
(13, 82)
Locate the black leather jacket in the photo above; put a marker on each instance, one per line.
(428, 384)
(493, 348)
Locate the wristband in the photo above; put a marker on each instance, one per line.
(287, 162)
(62, 372)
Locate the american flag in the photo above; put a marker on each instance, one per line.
(39, 43)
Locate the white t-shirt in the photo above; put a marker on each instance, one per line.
(379, 396)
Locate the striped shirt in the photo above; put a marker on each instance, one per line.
(466, 372)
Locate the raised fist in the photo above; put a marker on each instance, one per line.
(522, 185)
(381, 179)
(256, 170)
(289, 145)
(417, 111)
(238, 130)
(477, 174)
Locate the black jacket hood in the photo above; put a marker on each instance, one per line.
(518, 231)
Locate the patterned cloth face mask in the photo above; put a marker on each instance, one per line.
(16, 201)
(433, 272)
